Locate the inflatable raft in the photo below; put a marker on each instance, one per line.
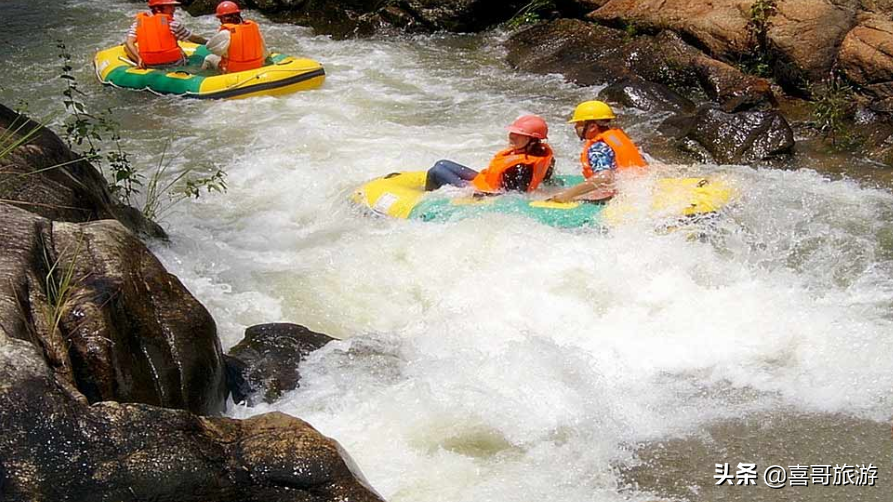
(402, 195)
(280, 75)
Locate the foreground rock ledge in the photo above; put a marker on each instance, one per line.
(54, 447)
(109, 319)
(89, 320)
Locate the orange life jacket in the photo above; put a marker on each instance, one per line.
(155, 41)
(246, 48)
(491, 178)
(626, 155)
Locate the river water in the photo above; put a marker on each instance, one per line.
(496, 359)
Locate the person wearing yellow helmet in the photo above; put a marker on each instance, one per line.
(607, 149)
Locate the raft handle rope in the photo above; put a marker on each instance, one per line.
(703, 183)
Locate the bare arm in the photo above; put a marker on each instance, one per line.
(266, 50)
(197, 39)
(133, 52)
(599, 186)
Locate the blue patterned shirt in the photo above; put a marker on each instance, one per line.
(601, 157)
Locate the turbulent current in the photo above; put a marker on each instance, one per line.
(494, 358)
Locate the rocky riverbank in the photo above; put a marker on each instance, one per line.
(819, 73)
(111, 372)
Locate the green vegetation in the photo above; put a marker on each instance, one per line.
(832, 109)
(60, 283)
(530, 13)
(756, 63)
(631, 30)
(759, 61)
(16, 136)
(91, 132)
(88, 131)
(161, 196)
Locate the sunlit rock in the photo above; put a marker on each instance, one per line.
(110, 319)
(866, 57)
(588, 54)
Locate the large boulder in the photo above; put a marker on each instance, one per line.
(733, 138)
(110, 320)
(883, 7)
(267, 359)
(720, 26)
(588, 54)
(805, 35)
(866, 56)
(45, 177)
(647, 96)
(56, 447)
(584, 53)
(364, 17)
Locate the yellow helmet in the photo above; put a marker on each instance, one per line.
(592, 110)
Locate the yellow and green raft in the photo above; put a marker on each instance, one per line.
(280, 74)
(674, 200)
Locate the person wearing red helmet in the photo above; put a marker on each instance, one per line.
(526, 163)
(152, 39)
(238, 46)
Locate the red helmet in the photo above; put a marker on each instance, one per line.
(158, 3)
(227, 7)
(530, 125)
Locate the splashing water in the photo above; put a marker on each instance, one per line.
(493, 358)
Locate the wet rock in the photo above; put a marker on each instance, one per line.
(267, 359)
(729, 87)
(647, 96)
(55, 447)
(364, 17)
(46, 178)
(588, 54)
(866, 57)
(580, 51)
(741, 137)
(108, 317)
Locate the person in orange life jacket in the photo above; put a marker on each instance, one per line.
(607, 150)
(238, 46)
(152, 38)
(522, 166)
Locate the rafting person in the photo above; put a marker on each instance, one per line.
(526, 163)
(607, 149)
(238, 46)
(152, 39)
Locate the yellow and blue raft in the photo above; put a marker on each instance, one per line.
(402, 195)
(280, 75)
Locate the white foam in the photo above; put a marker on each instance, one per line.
(497, 359)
